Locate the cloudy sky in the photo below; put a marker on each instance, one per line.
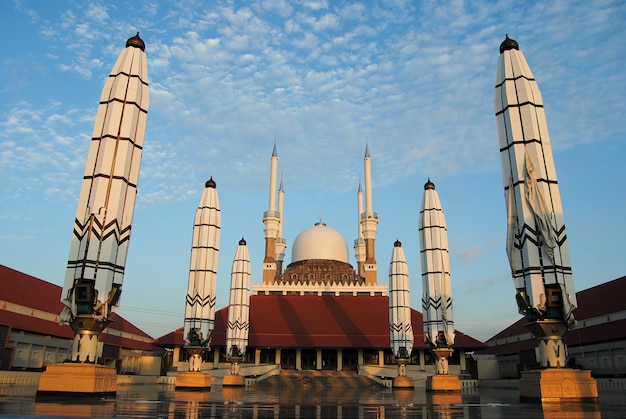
(228, 79)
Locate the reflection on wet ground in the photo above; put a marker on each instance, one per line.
(162, 401)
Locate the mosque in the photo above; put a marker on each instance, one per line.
(318, 312)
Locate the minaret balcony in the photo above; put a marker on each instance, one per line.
(271, 214)
(369, 216)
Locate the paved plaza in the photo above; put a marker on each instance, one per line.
(162, 401)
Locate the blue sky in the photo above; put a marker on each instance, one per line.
(228, 78)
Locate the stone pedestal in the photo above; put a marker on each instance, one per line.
(403, 382)
(557, 385)
(551, 350)
(234, 380)
(77, 379)
(193, 380)
(441, 382)
(442, 399)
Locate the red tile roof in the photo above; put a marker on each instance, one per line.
(310, 321)
(35, 325)
(27, 291)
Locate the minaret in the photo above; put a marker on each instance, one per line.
(200, 300)
(369, 220)
(437, 288)
(102, 226)
(536, 238)
(271, 225)
(359, 243)
(238, 314)
(401, 329)
(281, 243)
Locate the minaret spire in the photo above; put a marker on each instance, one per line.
(281, 244)
(359, 243)
(273, 178)
(369, 220)
(271, 224)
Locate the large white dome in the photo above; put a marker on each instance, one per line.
(319, 242)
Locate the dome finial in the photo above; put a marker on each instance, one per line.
(397, 243)
(242, 242)
(136, 42)
(210, 183)
(429, 185)
(508, 44)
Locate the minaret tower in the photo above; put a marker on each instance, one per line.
(271, 225)
(281, 244)
(369, 221)
(359, 243)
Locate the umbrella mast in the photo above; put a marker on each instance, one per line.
(437, 288)
(102, 227)
(401, 329)
(200, 300)
(537, 245)
(238, 314)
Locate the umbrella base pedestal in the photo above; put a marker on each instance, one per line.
(443, 382)
(234, 380)
(193, 380)
(403, 382)
(77, 379)
(557, 385)
(444, 398)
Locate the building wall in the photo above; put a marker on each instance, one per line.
(603, 359)
(6, 351)
(606, 359)
(34, 352)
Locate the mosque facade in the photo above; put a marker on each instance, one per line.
(318, 312)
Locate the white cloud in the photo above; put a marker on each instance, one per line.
(97, 12)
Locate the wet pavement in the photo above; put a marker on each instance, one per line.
(162, 401)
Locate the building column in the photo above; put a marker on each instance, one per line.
(216, 357)
(381, 358)
(277, 357)
(462, 358)
(339, 359)
(318, 362)
(298, 359)
(257, 356)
